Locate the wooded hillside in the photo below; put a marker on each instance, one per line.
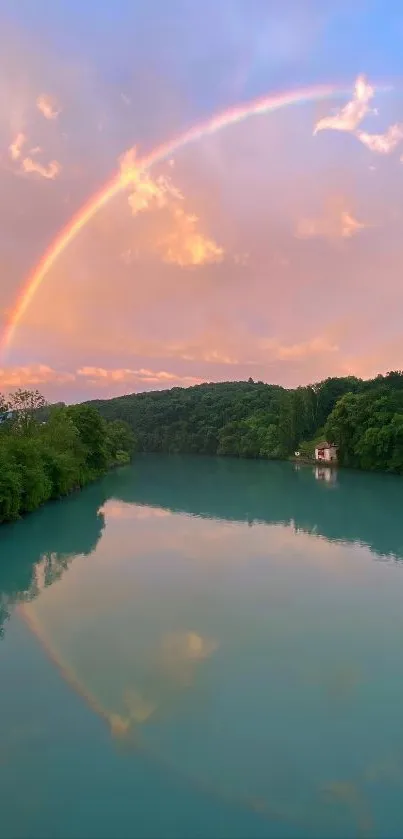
(252, 419)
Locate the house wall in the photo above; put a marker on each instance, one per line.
(328, 455)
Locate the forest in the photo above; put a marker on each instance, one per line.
(46, 453)
(364, 418)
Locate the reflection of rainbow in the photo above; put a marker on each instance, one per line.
(120, 182)
(32, 621)
(120, 728)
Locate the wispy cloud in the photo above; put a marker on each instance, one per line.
(50, 172)
(382, 143)
(152, 194)
(350, 117)
(198, 352)
(26, 164)
(47, 106)
(125, 375)
(182, 243)
(336, 223)
(33, 374)
(305, 349)
(41, 374)
(15, 149)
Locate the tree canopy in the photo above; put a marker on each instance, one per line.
(252, 419)
(43, 459)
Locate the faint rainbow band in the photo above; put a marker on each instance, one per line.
(120, 182)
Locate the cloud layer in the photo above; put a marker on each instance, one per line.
(37, 375)
(180, 240)
(336, 223)
(47, 106)
(258, 251)
(351, 116)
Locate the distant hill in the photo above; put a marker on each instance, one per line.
(253, 419)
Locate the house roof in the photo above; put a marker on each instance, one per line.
(324, 445)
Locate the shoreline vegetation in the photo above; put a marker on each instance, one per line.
(363, 418)
(49, 452)
(46, 452)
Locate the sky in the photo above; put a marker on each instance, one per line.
(270, 247)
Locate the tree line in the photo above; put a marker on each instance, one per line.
(364, 418)
(46, 453)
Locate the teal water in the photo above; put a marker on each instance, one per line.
(201, 647)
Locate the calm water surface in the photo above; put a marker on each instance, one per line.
(197, 647)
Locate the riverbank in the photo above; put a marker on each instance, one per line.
(309, 461)
(45, 461)
(364, 419)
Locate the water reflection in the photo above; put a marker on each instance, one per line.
(365, 509)
(326, 474)
(257, 661)
(35, 553)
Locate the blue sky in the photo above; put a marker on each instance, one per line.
(202, 47)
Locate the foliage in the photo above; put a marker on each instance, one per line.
(251, 419)
(121, 441)
(46, 452)
(24, 403)
(368, 428)
(92, 432)
(43, 459)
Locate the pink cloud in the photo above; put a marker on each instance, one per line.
(333, 225)
(101, 375)
(305, 349)
(353, 113)
(47, 106)
(49, 172)
(181, 241)
(32, 375)
(36, 375)
(16, 146)
(382, 143)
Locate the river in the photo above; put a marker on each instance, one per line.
(203, 647)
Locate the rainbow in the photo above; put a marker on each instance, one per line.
(120, 182)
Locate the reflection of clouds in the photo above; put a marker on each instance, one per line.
(182, 651)
(171, 670)
(142, 679)
(136, 627)
(210, 543)
(340, 682)
(139, 709)
(120, 510)
(349, 794)
(187, 645)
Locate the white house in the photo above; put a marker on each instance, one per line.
(326, 452)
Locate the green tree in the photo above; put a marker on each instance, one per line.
(121, 441)
(92, 433)
(25, 403)
(10, 486)
(271, 445)
(36, 487)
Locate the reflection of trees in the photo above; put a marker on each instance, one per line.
(362, 507)
(36, 552)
